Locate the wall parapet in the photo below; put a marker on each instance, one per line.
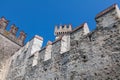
(64, 42)
(11, 34)
(73, 61)
(77, 33)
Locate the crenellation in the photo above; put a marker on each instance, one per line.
(56, 49)
(76, 54)
(65, 29)
(11, 34)
(9, 44)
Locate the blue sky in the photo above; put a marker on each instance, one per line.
(40, 16)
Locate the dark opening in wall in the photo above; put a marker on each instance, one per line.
(114, 26)
(56, 78)
(102, 55)
(44, 69)
(95, 74)
(90, 37)
(110, 36)
(85, 59)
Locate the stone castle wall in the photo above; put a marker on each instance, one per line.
(78, 55)
(7, 49)
(9, 44)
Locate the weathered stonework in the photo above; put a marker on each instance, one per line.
(7, 48)
(9, 44)
(75, 54)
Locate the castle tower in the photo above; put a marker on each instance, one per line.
(62, 30)
(3, 23)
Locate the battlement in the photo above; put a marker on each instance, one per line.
(63, 29)
(76, 54)
(60, 45)
(65, 34)
(11, 34)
